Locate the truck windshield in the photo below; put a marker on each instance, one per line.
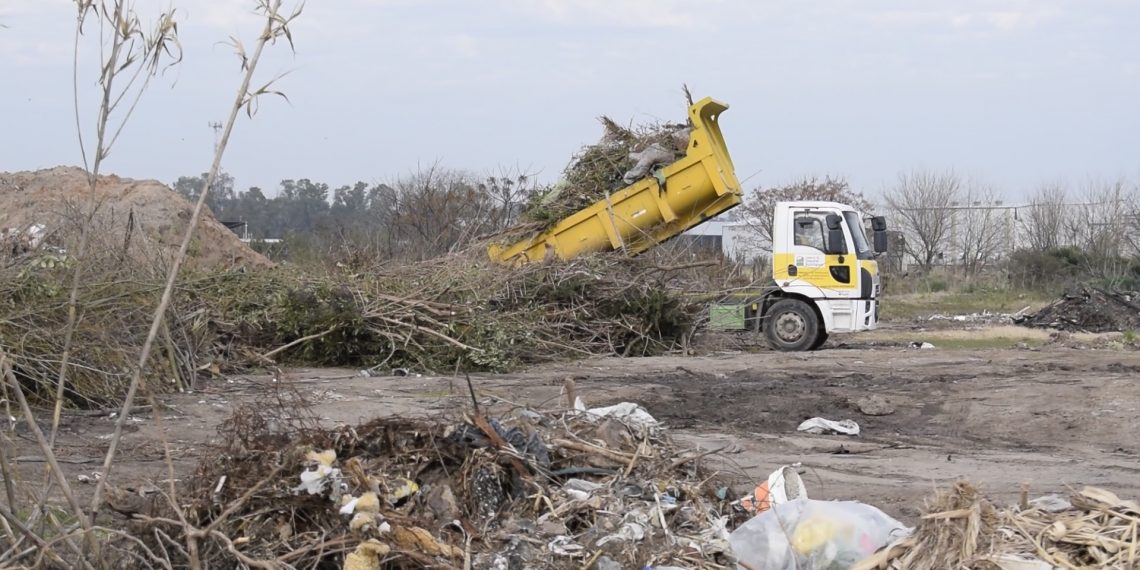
(855, 224)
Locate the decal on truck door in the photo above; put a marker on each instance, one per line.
(809, 261)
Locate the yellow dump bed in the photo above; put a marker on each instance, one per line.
(683, 194)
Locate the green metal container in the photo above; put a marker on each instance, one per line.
(726, 317)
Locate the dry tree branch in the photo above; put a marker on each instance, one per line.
(274, 27)
(129, 46)
(45, 447)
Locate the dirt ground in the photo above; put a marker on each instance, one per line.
(1046, 417)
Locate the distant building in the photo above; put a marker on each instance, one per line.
(736, 240)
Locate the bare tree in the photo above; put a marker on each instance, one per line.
(757, 209)
(1098, 220)
(1100, 227)
(984, 229)
(1046, 218)
(921, 204)
(1131, 212)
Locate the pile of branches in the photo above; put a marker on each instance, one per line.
(459, 311)
(554, 489)
(1089, 309)
(1094, 528)
(600, 169)
(456, 312)
(115, 301)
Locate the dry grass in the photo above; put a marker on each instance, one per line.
(980, 337)
(962, 530)
(919, 306)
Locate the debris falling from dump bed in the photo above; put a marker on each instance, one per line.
(622, 156)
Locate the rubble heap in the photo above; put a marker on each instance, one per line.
(1089, 309)
(566, 489)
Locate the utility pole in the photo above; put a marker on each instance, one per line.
(217, 134)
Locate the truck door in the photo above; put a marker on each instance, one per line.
(821, 257)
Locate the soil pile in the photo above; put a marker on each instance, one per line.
(1089, 309)
(143, 216)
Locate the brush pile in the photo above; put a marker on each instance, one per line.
(557, 489)
(1089, 309)
(1092, 529)
(455, 312)
(622, 156)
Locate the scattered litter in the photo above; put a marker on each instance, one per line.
(1051, 503)
(921, 345)
(625, 412)
(874, 405)
(607, 563)
(94, 477)
(822, 426)
(982, 318)
(806, 534)
(782, 485)
(632, 530)
(319, 473)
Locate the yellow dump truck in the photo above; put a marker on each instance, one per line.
(825, 276)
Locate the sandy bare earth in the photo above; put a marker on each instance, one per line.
(1051, 418)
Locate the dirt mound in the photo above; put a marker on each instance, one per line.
(138, 214)
(1089, 309)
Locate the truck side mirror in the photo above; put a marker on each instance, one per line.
(879, 224)
(836, 241)
(880, 241)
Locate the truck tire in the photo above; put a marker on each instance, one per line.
(820, 339)
(791, 326)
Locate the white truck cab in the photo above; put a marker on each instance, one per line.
(822, 260)
(825, 277)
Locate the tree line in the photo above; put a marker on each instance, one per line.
(425, 214)
(939, 219)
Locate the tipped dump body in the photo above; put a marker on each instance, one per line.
(652, 210)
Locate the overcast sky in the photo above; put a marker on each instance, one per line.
(1015, 92)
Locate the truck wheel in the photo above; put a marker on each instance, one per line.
(791, 325)
(820, 339)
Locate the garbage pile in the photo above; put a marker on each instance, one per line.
(622, 156)
(601, 487)
(1088, 309)
(577, 487)
(1093, 528)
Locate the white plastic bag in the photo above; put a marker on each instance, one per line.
(825, 426)
(628, 413)
(782, 485)
(805, 534)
